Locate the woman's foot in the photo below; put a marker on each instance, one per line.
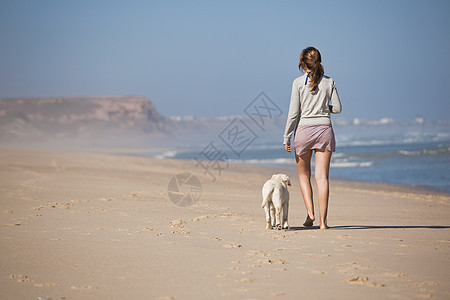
(323, 226)
(309, 221)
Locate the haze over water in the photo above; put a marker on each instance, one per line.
(408, 154)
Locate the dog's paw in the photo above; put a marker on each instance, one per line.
(278, 227)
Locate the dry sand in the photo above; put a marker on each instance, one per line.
(96, 226)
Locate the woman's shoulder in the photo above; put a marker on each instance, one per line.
(327, 81)
(327, 78)
(300, 79)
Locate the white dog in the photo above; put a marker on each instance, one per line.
(276, 201)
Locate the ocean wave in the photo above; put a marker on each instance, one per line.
(167, 154)
(386, 141)
(424, 152)
(350, 164)
(277, 161)
(289, 161)
(362, 143)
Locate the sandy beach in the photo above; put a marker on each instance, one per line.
(98, 226)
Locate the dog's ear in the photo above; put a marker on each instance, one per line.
(287, 180)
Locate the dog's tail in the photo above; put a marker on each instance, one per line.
(267, 194)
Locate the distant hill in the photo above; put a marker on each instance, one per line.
(82, 118)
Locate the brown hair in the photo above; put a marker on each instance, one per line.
(310, 59)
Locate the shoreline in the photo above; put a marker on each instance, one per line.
(287, 168)
(79, 225)
(155, 153)
(161, 153)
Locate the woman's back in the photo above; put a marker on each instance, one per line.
(311, 107)
(315, 106)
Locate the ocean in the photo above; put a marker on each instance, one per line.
(408, 154)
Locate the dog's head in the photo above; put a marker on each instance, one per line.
(283, 178)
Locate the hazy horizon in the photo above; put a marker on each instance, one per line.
(209, 59)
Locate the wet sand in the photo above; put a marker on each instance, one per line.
(97, 226)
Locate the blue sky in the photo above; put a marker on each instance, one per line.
(211, 58)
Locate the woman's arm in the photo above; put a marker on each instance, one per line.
(335, 106)
(293, 115)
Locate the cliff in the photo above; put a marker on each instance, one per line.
(83, 118)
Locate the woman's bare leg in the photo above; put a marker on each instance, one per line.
(304, 176)
(322, 169)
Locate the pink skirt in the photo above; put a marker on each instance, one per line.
(309, 137)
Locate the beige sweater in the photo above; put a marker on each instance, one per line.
(311, 108)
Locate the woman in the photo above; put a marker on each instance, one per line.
(313, 98)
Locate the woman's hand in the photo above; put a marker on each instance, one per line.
(288, 148)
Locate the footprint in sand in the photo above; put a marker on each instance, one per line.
(319, 272)
(268, 261)
(48, 284)
(425, 283)
(180, 224)
(181, 232)
(364, 281)
(20, 278)
(369, 243)
(105, 199)
(133, 196)
(215, 238)
(177, 223)
(317, 256)
(259, 253)
(394, 274)
(84, 287)
(148, 229)
(12, 224)
(244, 280)
(200, 218)
(59, 205)
(232, 246)
(425, 296)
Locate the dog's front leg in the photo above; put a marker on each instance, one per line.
(268, 220)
